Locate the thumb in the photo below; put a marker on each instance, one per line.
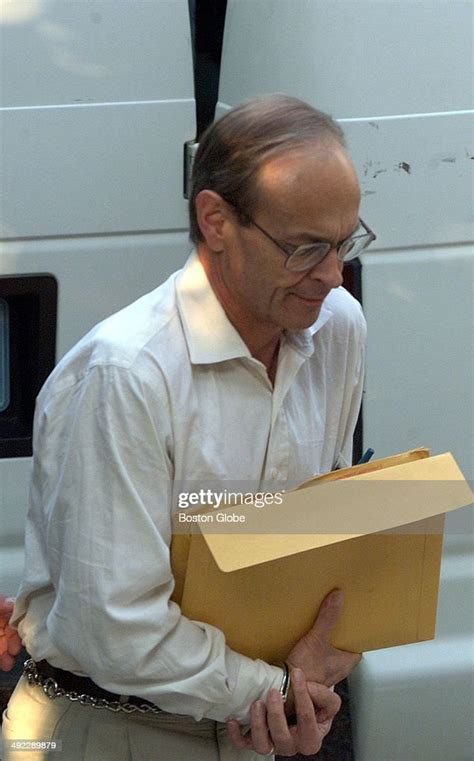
(328, 615)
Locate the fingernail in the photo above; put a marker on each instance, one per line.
(336, 598)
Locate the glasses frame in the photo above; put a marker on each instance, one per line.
(292, 252)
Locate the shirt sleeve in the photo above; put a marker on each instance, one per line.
(101, 492)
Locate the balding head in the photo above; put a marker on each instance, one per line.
(234, 149)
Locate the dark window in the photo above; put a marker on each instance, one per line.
(4, 356)
(28, 312)
(353, 282)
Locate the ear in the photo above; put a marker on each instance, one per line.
(212, 213)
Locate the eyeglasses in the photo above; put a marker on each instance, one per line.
(307, 256)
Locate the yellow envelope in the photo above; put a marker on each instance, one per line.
(374, 531)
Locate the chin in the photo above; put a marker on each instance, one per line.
(302, 321)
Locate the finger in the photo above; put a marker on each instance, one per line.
(328, 615)
(324, 728)
(234, 734)
(14, 644)
(6, 662)
(326, 702)
(308, 734)
(6, 606)
(261, 740)
(278, 725)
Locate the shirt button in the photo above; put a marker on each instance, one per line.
(274, 473)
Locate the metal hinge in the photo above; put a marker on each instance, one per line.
(190, 149)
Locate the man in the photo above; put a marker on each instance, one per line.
(247, 364)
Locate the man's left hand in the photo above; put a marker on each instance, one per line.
(315, 708)
(10, 642)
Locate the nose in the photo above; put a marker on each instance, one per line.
(329, 271)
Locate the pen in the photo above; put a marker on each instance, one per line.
(366, 456)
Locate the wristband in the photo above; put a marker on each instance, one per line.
(285, 682)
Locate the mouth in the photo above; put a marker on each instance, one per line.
(311, 301)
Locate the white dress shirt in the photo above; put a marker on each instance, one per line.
(164, 392)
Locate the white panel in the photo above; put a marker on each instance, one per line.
(351, 58)
(419, 382)
(14, 477)
(417, 177)
(91, 52)
(11, 569)
(415, 702)
(14, 482)
(400, 102)
(93, 169)
(96, 276)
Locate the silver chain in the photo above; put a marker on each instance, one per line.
(52, 690)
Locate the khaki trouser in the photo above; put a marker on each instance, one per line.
(88, 734)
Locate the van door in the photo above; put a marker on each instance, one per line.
(97, 101)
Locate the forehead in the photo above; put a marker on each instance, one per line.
(312, 182)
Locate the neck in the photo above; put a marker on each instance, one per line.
(262, 339)
(273, 364)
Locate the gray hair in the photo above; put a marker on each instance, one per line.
(232, 150)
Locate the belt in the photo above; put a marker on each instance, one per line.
(58, 683)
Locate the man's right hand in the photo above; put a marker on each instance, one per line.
(314, 654)
(10, 642)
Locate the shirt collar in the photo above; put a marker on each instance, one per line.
(210, 335)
